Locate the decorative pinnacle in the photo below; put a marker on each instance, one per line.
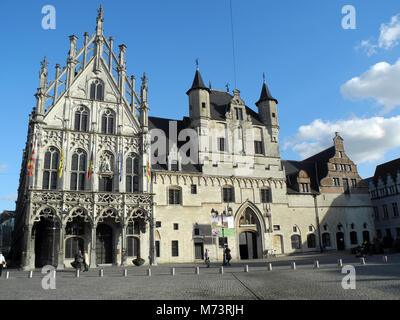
(227, 87)
(100, 12)
(144, 79)
(197, 64)
(263, 77)
(44, 64)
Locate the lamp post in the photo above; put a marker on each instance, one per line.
(227, 212)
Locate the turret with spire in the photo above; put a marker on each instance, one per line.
(267, 106)
(267, 110)
(199, 98)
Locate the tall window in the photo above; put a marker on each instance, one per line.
(296, 241)
(175, 248)
(336, 182)
(346, 184)
(133, 247)
(376, 213)
(97, 90)
(72, 246)
(385, 212)
(107, 122)
(50, 173)
(239, 113)
(395, 209)
(266, 195)
(81, 119)
(78, 170)
(311, 242)
(353, 183)
(353, 237)
(174, 196)
(228, 194)
(221, 144)
(326, 240)
(132, 174)
(258, 147)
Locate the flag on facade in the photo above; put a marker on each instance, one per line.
(90, 165)
(60, 167)
(120, 166)
(31, 161)
(148, 170)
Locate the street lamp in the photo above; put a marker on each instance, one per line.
(227, 212)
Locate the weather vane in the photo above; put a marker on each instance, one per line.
(227, 87)
(197, 63)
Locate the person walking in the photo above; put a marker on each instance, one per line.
(79, 260)
(228, 256)
(85, 260)
(2, 263)
(207, 259)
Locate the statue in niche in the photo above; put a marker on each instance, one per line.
(105, 165)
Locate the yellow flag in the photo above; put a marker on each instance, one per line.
(60, 167)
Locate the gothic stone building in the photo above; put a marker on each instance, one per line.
(86, 184)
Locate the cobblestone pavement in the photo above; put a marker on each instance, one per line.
(374, 280)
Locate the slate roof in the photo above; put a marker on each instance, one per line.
(386, 168)
(265, 94)
(292, 169)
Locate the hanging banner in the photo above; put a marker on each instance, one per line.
(222, 227)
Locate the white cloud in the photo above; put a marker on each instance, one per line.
(10, 197)
(390, 33)
(380, 82)
(389, 37)
(365, 140)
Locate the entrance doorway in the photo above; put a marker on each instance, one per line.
(248, 245)
(277, 244)
(103, 244)
(340, 241)
(47, 242)
(199, 250)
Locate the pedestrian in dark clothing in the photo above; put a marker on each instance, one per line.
(79, 259)
(2, 263)
(85, 260)
(228, 256)
(207, 259)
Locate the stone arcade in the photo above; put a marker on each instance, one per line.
(88, 185)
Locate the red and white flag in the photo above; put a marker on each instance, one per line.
(32, 159)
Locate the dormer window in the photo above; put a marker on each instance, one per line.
(97, 90)
(239, 113)
(304, 187)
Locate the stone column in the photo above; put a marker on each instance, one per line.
(61, 255)
(123, 245)
(28, 260)
(93, 248)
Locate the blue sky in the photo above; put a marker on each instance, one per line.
(308, 59)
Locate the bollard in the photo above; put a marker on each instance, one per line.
(54, 274)
(221, 270)
(101, 273)
(316, 264)
(197, 270)
(173, 271)
(125, 273)
(269, 266)
(246, 268)
(385, 259)
(30, 274)
(7, 275)
(77, 273)
(149, 272)
(340, 263)
(294, 265)
(362, 260)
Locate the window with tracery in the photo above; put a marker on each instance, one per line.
(107, 122)
(51, 163)
(132, 173)
(81, 119)
(97, 90)
(78, 170)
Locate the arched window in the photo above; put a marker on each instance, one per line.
(97, 90)
(296, 241)
(107, 122)
(78, 170)
(353, 237)
(326, 240)
(132, 174)
(81, 119)
(51, 162)
(311, 243)
(133, 228)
